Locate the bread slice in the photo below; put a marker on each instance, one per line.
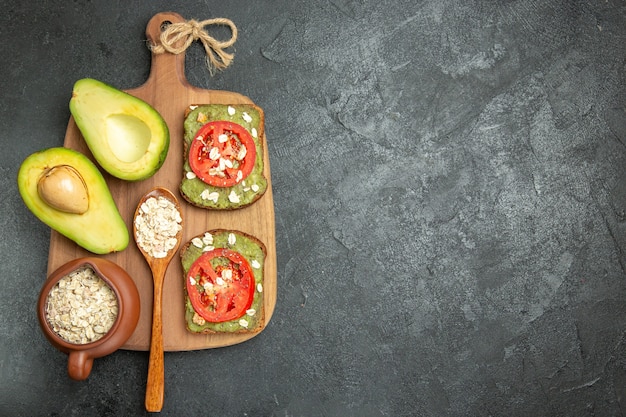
(242, 194)
(254, 252)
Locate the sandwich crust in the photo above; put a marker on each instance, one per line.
(254, 251)
(248, 190)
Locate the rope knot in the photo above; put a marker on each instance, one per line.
(188, 32)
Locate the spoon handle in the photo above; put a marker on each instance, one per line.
(156, 372)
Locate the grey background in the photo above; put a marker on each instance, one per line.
(450, 199)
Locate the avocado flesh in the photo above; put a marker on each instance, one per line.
(127, 136)
(100, 229)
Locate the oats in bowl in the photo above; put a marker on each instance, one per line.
(81, 308)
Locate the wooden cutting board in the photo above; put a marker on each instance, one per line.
(168, 91)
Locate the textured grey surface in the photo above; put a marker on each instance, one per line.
(450, 195)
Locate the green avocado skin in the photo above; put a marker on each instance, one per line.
(101, 229)
(251, 249)
(93, 103)
(191, 189)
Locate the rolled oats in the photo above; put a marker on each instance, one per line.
(81, 307)
(157, 223)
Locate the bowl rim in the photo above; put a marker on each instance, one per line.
(60, 273)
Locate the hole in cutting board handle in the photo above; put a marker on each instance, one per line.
(159, 22)
(166, 67)
(164, 25)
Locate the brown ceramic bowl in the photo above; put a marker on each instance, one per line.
(81, 356)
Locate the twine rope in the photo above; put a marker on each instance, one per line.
(216, 56)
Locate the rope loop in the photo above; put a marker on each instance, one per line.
(188, 32)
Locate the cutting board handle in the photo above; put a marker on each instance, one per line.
(163, 63)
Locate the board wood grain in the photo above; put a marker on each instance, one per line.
(168, 91)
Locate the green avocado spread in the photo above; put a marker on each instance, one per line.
(249, 248)
(249, 189)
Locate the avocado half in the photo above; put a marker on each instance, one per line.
(127, 136)
(97, 226)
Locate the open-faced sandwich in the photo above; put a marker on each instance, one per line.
(223, 156)
(223, 272)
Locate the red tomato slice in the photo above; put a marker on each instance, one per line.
(222, 153)
(220, 285)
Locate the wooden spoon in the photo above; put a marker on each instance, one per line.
(158, 265)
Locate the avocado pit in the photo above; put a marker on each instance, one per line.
(63, 188)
